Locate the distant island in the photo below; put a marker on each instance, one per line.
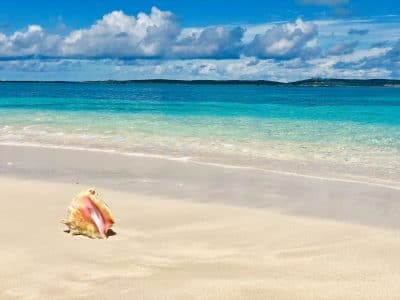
(347, 82)
(312, 82)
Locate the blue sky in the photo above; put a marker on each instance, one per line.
(275, 40)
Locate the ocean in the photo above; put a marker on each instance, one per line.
(244, 124)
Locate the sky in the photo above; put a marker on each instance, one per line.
(284, 40)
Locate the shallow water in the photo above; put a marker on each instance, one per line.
(357, 126)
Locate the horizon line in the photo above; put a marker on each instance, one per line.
(308, 82)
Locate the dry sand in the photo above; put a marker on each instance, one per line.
(175, 249)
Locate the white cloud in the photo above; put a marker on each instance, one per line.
(285, 41)
(159, 35)
(214, 42)
(33, 41)
(120, 35)
(388, 59)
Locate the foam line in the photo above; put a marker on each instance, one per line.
(382, 184)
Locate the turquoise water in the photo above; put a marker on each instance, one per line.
(345, 125)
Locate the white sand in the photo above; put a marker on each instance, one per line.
(175, 249)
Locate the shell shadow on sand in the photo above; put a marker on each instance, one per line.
(109, 233)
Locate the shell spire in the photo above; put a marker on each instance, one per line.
(89, 215)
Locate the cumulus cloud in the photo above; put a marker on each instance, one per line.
(388, 60)
(116, 35)
(33, 41)
(159, 35)
(342, 48)
(285, 41)
(120, 35)
(213, 42)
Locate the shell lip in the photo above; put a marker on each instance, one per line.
(98, 217)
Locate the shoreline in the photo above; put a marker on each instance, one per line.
(347, 178)
(348, 201)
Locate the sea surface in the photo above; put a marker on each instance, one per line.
(352, 127)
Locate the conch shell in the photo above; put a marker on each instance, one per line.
(89, 215)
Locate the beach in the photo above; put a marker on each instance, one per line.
(192, 231)
(218, 191)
